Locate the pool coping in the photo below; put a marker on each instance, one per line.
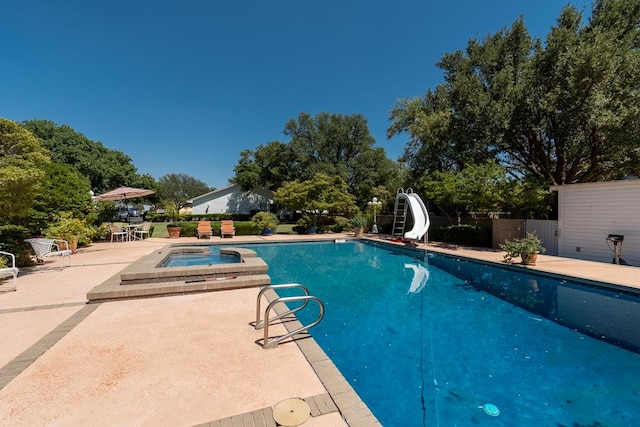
(144, 279)
(352, 408)
(522, 268)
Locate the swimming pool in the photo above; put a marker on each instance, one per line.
(431, 341)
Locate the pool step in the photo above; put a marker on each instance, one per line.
(112, 289)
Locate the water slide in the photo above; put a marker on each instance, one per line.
(420, 216)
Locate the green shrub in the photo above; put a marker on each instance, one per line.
(300, 229)
(244, 228)
(188, 228)
(12, 240)
(166, 217)
(530, 244)
(358, 221)
(66, 226)
(264, 220)
(467, 235)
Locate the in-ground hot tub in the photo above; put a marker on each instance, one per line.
(147, 277)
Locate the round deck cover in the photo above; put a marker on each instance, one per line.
(291, 412)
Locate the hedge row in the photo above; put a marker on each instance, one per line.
(467, 235)
(156, 217)
(243, 228)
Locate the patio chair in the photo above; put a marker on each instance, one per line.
(140, 232)
(204, 229)
(117, 232)
(227, 228)
(50, 248)
(9, 271)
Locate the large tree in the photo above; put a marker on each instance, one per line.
(176, 188)
(479, 190)
(564, 111)
(332, 144)
(22, 159)
(106, 169)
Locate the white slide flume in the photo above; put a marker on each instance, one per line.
(420, 217)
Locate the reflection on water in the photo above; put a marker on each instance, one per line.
(420, 277)
(605, 313)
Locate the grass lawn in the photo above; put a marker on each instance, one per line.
(285, 229)
(159, 229)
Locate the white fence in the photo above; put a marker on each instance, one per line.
(547, 231)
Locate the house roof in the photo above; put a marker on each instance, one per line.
(225, 190)
(632, 181)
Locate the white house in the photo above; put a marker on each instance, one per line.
(232, 199)
(588, 213)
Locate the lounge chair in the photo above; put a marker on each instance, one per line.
(227, 228)
(9, 271)
(140, 232)
(204, 229)
(50, 248)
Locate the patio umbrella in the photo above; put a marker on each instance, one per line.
(122, 193)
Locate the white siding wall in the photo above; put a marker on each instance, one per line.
(588, 213)
(232, 200)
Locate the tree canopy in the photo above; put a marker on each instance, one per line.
(562, 112)
(176, 188)
(63, 190)
(331, 144)
(106, 169)
(483, 189)
(316, 196)
(22, 159)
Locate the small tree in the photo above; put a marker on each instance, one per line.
(317, 197)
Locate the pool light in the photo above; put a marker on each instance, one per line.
(490, 409)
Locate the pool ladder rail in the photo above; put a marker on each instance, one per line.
(260, 324)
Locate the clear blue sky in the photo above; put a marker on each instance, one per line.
(185, 86)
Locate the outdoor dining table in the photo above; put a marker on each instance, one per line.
(131, 229)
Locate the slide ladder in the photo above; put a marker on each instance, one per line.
(400, 215)
(260, 324)
(405, 201)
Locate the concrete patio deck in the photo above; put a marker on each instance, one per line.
(177, 360)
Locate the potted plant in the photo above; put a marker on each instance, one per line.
(72, 230)
(174, 229)
(265, 223)
(307, 224)
(527, 248)
(358, 223)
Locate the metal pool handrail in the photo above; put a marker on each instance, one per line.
(267, 343)
(265, 323)
(260, 323)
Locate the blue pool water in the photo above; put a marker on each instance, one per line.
(189, 259)
(432, 342)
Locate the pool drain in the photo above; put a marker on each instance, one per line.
(490, 409)
(291, 412)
